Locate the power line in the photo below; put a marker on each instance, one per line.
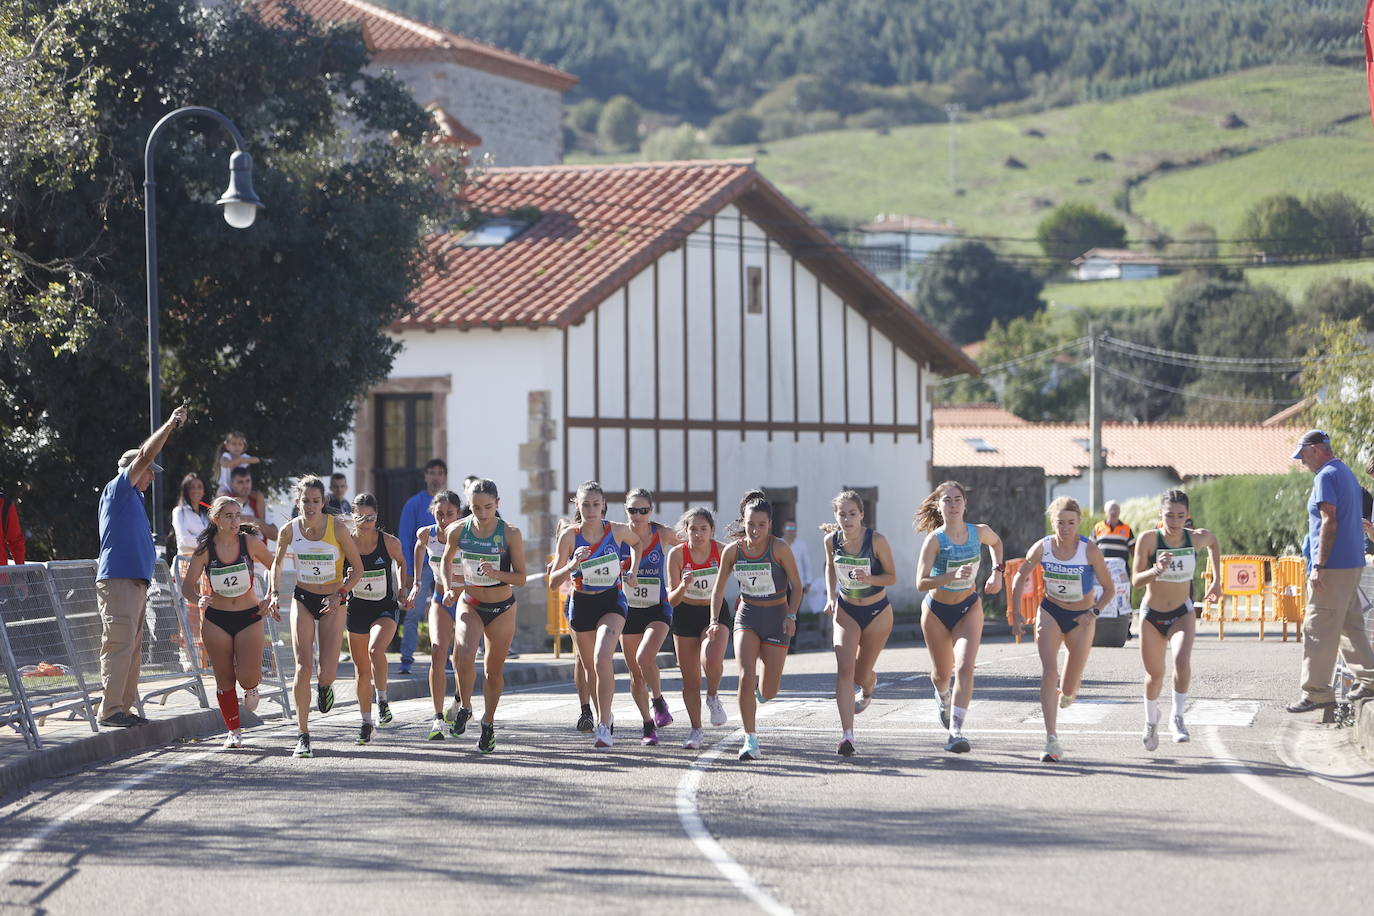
(1276, 364)
(1000, 368)
(1137, 380)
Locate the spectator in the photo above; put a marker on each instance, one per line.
(806, 572)
(414, 516)
(190, 515)
(337, 503)
(232, 458)
(254, 503)
(127, 560)
(1334, 548)
(11, 534)
(1113, 536)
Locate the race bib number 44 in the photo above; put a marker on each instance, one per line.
(755, 579)
(372, 586)
(1182, 563)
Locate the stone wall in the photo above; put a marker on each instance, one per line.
(1011, 500)
(536, 460)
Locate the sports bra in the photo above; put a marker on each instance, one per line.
(699, 591)
(601, 570)
(474, 550)
(951, 556)
(377, 584)
(233, 579)
(434, 546)
(760, 578)
(1182, 563)
(317, 562)
(846, 564)
(1067, 581)
(651, 587)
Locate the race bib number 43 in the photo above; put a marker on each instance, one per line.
(600, 572)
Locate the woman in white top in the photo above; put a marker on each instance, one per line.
(446, 507)
(190, 516)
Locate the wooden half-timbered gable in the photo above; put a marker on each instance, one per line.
(676, 326)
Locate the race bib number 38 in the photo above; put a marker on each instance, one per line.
(755, 579)
(646, 593)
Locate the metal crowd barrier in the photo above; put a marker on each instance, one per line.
(1343, 680)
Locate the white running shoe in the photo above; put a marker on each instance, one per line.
(943, 699)
(1053, 752)
(250, 699)
(1181, 735)
(718, 715)
(693, 740)
(604, 738)
(234, 739)
(861, 700)
(750, 749)
(1151, 737)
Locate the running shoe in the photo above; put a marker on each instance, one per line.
(384, 715)
(693, 740)
(250, 699)
(750, 748)
(233, 739)
(487, 743)
(1053, 752)
(1181, 735)
(302, 747)
(365, 733)
(717, 708)
(584, 721)
(603, 736)
(845, 748)
(324, 697)
(1151, 737)
(758, 694)
(861, 701)
(957, 744)
(650, 734)
(1066, 700)
(943, 699)
(662, 716)
(437, 729)
(451, 714)
(460, 724)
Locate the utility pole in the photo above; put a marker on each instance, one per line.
(1098, 464)
(952, 110)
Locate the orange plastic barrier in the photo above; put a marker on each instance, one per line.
(1247, 594)
(1290, 593)
(1031, 597)
(557, 624)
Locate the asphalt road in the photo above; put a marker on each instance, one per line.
(1239, 820)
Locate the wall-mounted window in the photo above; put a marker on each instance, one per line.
(754, 290)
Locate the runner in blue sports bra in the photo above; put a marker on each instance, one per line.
(649, 614)
(770, 593)
(589, 552)
(484, 558)
(1166, 561)
(858, 570)
(374, 608)
(952, 612)
(1072, 566)
(429, 548)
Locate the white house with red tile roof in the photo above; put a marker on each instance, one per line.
(1117, 264)
(510, 104)
(1142, 459)
(676, 326)
(892, 244)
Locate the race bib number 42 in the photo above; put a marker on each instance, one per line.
(231, 581)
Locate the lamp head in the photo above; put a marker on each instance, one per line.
(239, 202)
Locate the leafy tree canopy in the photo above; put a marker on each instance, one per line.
(964, 287)
(1075, 228)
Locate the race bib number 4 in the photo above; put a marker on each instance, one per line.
(372, 586)
(755, 579)
(968, 577)
(231, 581)
(1063, 587)
(646, 593)
(315, 568)
(471, 561)
(600, 572)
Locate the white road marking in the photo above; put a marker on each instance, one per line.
(49, 827)
(1090, 711)
(971, 734)
(1235, 713)
(1247, 778)
(715, 853)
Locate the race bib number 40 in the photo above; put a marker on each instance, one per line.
(703, 580)
(600, 572)
(372, 586)
(471, 561)
(646, 593)
(231, 581)
(755, 579)
(315, 568)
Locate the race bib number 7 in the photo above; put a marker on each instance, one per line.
(755, 579)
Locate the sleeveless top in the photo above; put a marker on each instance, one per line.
(601, 570)
(760, 578)
(846, 563)
(233, 579)
(951, 556)
(473, 550)
(652, 575)
(434, 547)
(317, 562)
(377, 585)
(706, 574)
(1067, 581)
(1183, 563)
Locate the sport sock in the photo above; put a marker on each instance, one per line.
(229, 707)
(1151, 712)
(1180, 701)
(956, 719)
(381, 696)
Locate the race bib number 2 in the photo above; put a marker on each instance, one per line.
(1064, 587)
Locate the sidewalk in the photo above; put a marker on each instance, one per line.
(68, 746)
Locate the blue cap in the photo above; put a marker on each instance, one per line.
(1311, 437)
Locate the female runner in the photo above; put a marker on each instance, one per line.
(225, 553)
(589, 552)
(483, 558)
(770, 593)
(1165, 562)
(374, 608)
(322, 548)
(857, 574)
(650, 615)
(1071, 564)
(430, 544)
(952, 613)
(693, 567)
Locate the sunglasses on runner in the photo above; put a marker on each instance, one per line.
(364, 518)
(638, 511)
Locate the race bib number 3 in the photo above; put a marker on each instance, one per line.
(473, 560)
(755, 579)
(646, 593)
(965, 581)
(315, 568)
(372, 586)
(1063, 587)
(600, 572)
(231, 581)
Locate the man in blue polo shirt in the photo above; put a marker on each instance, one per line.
(127, 560)
(1334, 548)
(415, 514)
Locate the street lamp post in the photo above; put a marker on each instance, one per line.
(240, 209)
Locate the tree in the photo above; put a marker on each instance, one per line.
(735, 128)
(1256, 322)
(1049, 389)
(1281, 226)
(277, 330)
(1075, 228)
(1339, 299)
(1342, 223)
(964, 287)
(673, 144)
(1199, 241)
(618, 126)
(1342, 385)
(585, 115)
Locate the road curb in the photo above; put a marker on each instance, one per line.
(1364, 727)
(55, 760)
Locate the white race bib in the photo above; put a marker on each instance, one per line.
(646, 593)
(1181, 565)
(372, 586)
(755, 579)
(600, 572)
(845, 570)
(455, 567)
(703, 581)
(961, 584)
(316, 568)
(231, 581)
(470, 563)
(1063, 587)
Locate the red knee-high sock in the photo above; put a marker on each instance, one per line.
(229, 707)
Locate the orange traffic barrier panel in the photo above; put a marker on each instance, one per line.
(1031, 597)
(1290, 593)
(556, 624)
(1246, 593)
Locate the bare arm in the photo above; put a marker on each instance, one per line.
(565, 558)
(258, 551)
(680, 582)
(994, 544)
(352, 558)
(273, 586)
(831, 586)
(783, 554)
(727, 566)
(190, 580)
(1022, 578)
(625, 535)
(883, 550)
(446, 585)
(398, 556)
(1145, 571)
(154, 444)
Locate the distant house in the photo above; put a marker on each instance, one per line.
(483, 97)
(1117, 264)
(892, 244)
(1142, 459)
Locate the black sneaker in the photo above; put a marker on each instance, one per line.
(324, 697)
(119, 719)
(487, 743)
(384, 712)
(584, 721)
(845, 748)
(460, 721)
(302, 747)
(365, 733)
